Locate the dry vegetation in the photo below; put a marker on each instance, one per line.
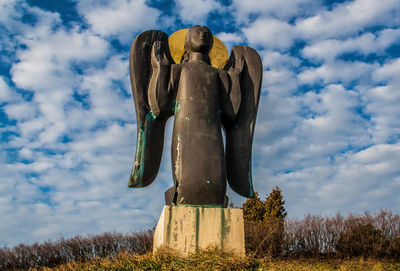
(77, 249)
(217, 260)
(368, 236)
(354, 242)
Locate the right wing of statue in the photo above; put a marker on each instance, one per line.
(239, 133)
(149, 66)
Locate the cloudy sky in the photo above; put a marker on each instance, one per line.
(327, 133)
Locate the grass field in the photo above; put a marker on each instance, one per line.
(217, 260)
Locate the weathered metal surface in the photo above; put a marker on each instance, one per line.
(203, 99)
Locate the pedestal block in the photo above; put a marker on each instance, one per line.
(188, 229)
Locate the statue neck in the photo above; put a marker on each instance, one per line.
(196, 57)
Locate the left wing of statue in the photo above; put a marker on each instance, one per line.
(149, 67)
(239, 132)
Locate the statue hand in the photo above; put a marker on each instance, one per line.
(237, 67)
(157, 59)
(155, 55)
(239, 64)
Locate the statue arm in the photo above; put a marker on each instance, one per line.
(159, 85)
(235, 92)
(231, 94)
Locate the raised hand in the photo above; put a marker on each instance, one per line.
(156, 55)
(158, 58)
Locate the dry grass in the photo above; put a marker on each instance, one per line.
(216, 260)
(329, 264)
(77, 249)
(210, 259)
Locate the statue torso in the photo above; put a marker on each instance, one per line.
(198, 94)
(198, 158)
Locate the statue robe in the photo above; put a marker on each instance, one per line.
(198, 156)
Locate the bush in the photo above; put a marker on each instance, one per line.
(346, 237)
(361, 240)
(314, 236)
(264, 238)
(254, 209)
(79, 249)
(274, 205)
(264, 224)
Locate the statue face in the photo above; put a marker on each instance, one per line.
(199, 39)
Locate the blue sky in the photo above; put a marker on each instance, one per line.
(328, 125)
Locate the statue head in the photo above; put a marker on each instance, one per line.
(199, 39)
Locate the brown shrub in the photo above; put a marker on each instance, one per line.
(313, 236)
(264, 238)
(361, 240)
(352, 236)
(376, 236)
(389, 225)
(78, 249)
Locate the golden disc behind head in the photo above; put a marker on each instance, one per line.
(218, 54)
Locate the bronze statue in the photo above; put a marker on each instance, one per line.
(203, 99)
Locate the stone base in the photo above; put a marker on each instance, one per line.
(188, 229)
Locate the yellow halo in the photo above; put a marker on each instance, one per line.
(218, 54)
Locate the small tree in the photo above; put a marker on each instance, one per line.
(253, 209)
(273, 205)
(264, 223)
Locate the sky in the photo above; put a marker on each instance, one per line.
(327, 131)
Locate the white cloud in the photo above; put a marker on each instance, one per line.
(270, 33)
(196, 11)
(382, 102)
(20, 111)
(47, 61)
(280, 80)
(373, 171)
(349, 18)
(108, 101)
(7, 12)
(365, 44)
(230, 39)
(121, 18)
(45, 67)
(26, 153)
(6, 93)
(282, 9)
(275, 60)
(333, 116)
(337, 71)
(329, 125)
(349, 182)
(388, 72)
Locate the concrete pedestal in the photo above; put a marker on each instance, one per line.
(188, 229)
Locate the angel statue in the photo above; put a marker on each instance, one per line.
(179, 76)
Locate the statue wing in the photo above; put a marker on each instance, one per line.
(239, 132)
(146, 87)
